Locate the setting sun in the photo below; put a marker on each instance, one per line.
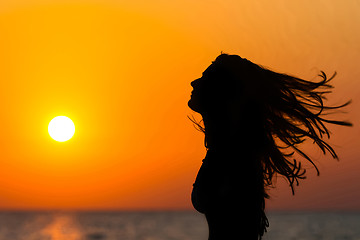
(61, 128)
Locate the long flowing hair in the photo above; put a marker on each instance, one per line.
(292, 110)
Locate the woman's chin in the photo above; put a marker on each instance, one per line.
(193, 105)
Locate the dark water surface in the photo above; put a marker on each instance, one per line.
(187, 225)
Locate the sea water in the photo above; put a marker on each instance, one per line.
(184, 225)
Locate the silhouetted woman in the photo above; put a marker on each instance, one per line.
(254, 120)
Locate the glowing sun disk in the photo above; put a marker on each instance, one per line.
(61, 128)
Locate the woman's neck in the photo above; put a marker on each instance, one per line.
(222, 135)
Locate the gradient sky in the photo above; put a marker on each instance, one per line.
(121, 70)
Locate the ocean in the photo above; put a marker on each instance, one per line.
(184, 225)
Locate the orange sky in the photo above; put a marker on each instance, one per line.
(121, 71)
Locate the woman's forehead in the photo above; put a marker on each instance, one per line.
(210, 69)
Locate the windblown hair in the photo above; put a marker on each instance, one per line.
(294, 113)
(291, 109)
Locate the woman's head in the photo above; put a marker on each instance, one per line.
(222, 84)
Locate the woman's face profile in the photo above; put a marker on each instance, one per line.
(213, 91)
(203, 89)
(195, 102)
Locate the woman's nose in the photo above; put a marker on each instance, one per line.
(195, 82)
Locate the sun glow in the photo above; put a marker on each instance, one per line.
(61, 128)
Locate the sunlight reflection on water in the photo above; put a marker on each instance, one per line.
(62, 227)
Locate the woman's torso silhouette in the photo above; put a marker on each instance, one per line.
(229, 195)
